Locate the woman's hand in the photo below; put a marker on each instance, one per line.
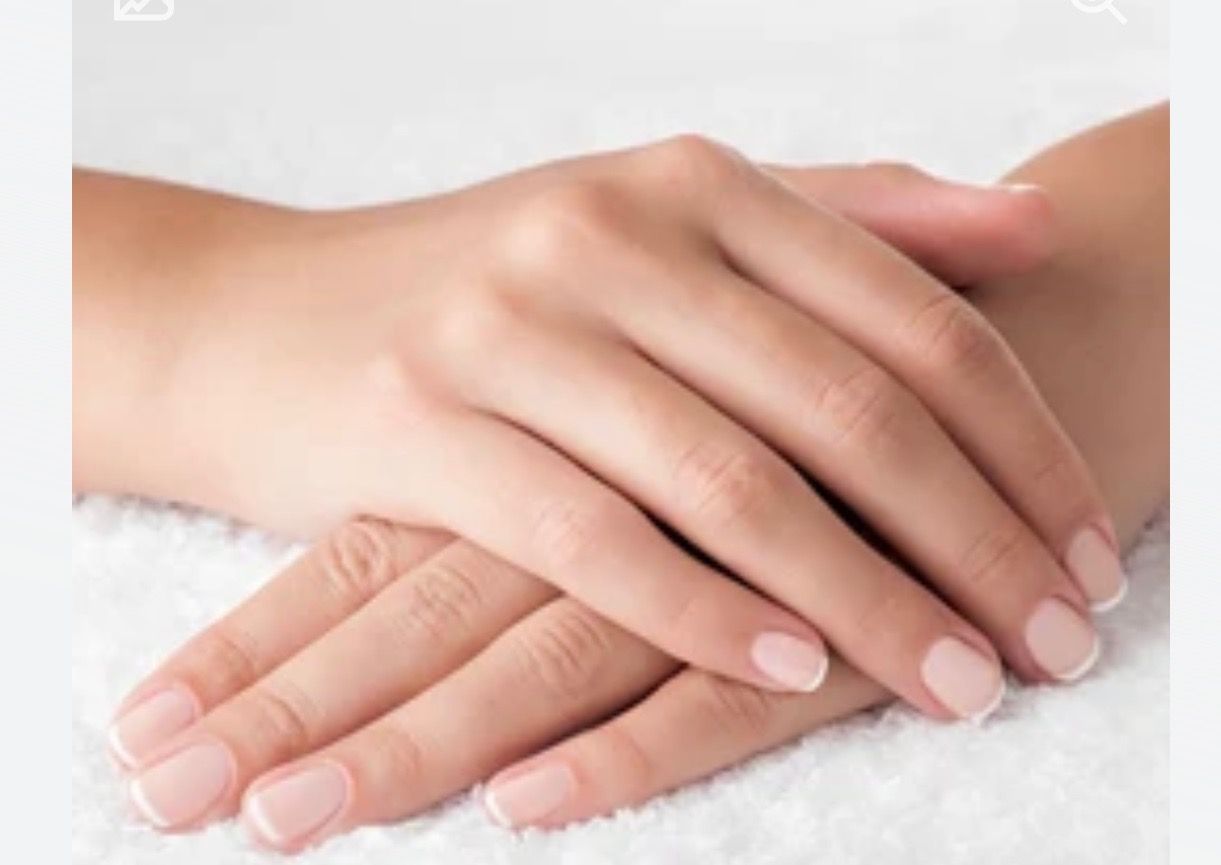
(542, 363)
(358, 686)
(389, 669)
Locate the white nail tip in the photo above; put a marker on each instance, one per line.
(118, 748)
(819, 678)
(1112, 602)
(1084, 667)
(145, 806)
(254, 812)
(489, 803)
(982, 715)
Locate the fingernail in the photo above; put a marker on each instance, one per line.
(1094, 565)
(794, 664)
(181, 788)
(964, 680)
(529, 796)
(1062, 642)
(151, 722)
(293, 807)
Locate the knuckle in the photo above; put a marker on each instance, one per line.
(1061, 485)
(395, 391)
(395, 754)
(740, 710)
(1054, 468)
(558, 226)
(725, 484)
(279, 717)
(357, 560)
(890, 618)
(564, 652)
(222, 662)
(1058, 476)
(567, 532)
(636, 770)
(443, 601)
(493, 316)
(993, 554)
(691, 161)
(866, 411)
(952, 338)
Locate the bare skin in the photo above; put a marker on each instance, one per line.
(550, 363)
(397, 742)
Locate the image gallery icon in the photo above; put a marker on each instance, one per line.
(143, 10)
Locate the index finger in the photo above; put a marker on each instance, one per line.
(962, 233)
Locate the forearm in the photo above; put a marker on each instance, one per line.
(1091, 326)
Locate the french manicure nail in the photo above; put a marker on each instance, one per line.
(295, 806)
(182, 787)
(1094, 565)
(142, 728)
(1063, 643)
(964, 680)
(530, 796)
(792, 663)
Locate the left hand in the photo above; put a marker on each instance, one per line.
(371, 701)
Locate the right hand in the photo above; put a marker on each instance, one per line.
(544, 363)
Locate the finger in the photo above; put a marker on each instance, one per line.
(849, 423)
(416, 631)
(560, 668)
(960, 232)
(555, 520)
(736, 500)
(940, 347)
(319, 589)
(693, 725)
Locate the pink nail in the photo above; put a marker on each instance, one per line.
(529, 796)
(964, 680)
(1063, 643)
(293, 807)
(792, 663)
(150, 723)
(182, 788)
(1094, 565)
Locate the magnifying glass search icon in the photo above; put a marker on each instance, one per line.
(1092, 6)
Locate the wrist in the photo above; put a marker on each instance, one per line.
(151, 265)
(283, 305)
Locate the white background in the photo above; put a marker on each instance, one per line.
(319, 102)
(323, 103)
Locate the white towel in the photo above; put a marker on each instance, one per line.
(320, 103)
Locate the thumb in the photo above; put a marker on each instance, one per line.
(959, 232)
